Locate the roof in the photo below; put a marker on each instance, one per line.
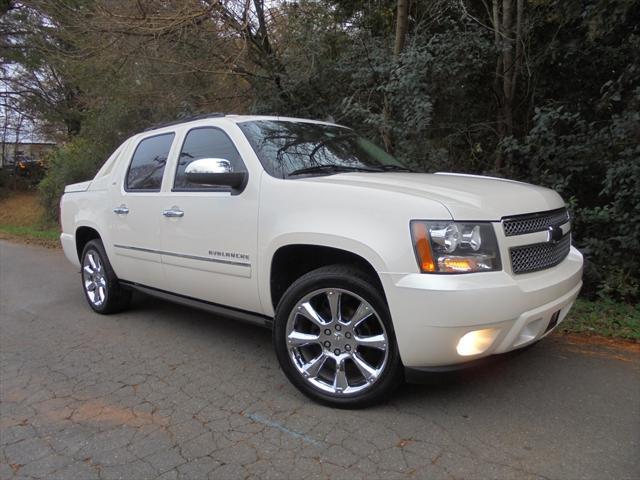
(251, 118)
(234, 118)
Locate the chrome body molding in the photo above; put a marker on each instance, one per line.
(182, 255)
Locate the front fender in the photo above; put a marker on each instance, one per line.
(314, 239)
(366, 222)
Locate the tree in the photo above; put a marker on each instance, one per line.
(402, 26)
(509, 41)
(542, 91)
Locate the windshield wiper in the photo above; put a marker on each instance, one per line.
(396, 168)
(331, 169)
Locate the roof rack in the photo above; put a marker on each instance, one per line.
(190, 118)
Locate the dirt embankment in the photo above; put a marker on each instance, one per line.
(21, 220)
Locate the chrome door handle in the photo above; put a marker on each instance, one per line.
(173, 213)
(121, 210)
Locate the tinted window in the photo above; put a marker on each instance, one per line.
(207, 142)
(147, 165)
(285, 147)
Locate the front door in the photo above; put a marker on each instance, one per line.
(209, 233)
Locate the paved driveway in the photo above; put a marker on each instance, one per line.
(164, 391)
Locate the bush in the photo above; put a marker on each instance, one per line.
(73, 162)
(604, 317)
(4, 182)
(10, 182)
(596, 166)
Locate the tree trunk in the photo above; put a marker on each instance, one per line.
(507, 64)
(508, 42)
(517, 63)
(402, 26)
(5, 129)
(497, 37)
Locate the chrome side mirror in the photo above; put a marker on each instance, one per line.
(209, 165)
(215, 172)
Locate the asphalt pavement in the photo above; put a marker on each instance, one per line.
(164, 391)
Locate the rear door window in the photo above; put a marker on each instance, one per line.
(148, 162)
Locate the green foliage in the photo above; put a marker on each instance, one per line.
(576, 121)
(10, 182)
(604, 317)
(31, 232)
(74, 162)
(349, 74)
(597, 166)
(308, 71)
(102, 73)
(4, 182)
(590, 153)
(424, 105)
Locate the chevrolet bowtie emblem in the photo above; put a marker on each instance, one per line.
(554, 233)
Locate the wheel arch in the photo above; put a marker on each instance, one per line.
(292, 260)
(83, 235)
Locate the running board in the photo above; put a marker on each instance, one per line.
(230, 312)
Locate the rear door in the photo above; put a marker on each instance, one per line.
(136, 212)
(209, 243)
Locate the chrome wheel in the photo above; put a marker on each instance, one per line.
(337, 341)
(93, 278)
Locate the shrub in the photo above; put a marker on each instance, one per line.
(596, 166)
(4, 182)
(73, 162)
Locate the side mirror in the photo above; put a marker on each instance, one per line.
(215, 171)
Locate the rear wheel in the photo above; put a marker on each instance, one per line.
(99, 282)
(334, 338)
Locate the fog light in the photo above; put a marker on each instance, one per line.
(476, 342)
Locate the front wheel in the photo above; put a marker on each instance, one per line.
(334, 338)
(99, 282)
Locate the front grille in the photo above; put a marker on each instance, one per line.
(531, 258)
(534, 222)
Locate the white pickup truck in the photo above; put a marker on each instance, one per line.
(367, 272)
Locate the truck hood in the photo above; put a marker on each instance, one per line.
(467, 197)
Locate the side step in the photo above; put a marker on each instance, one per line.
(216, 309)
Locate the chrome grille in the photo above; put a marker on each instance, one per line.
(531, 258)
(534, 222)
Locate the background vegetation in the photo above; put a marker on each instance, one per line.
(545, 91)
(21, 217)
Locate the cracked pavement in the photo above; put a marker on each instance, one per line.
(163, 391)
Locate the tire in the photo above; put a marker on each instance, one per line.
(349, 357)
(100, 285)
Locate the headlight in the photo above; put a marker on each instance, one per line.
(455, 247)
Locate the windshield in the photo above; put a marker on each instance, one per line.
(288, 148)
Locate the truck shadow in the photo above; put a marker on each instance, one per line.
(500, 382)
(189, 319)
